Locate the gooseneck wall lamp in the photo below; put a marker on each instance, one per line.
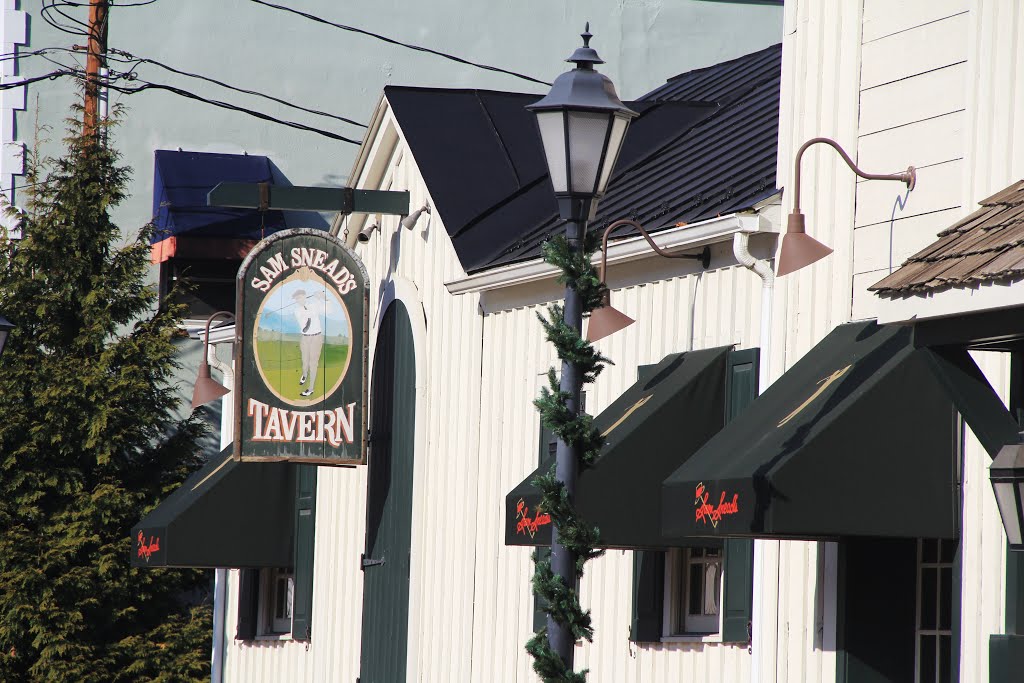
(607, 320)
(207, 389)
(1007, 476)
(800, 249)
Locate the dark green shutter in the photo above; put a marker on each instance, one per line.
(248, 603)
(648, 596)
(741, 389)
(305, 530)
(648, 579)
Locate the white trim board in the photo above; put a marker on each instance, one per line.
(682, 238)
(987, 296)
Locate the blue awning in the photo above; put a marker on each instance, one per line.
(180, 185)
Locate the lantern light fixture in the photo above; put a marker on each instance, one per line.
(1007, 476)
(800, 249)
(607, 320)
(582, 125)
(206, 388)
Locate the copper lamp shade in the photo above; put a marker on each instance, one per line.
(207, 389)
(606, 320)
(798, 248)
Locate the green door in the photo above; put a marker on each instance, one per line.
(385, 563)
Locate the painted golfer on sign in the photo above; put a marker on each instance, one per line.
(303, 338)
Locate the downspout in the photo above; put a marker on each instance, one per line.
(741, 250)
(220, 581)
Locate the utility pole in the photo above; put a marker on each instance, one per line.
(95, 61)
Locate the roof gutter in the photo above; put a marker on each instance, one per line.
(678, 238)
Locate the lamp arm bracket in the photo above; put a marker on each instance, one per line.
(909, 177)
(704, 256)
(206, 342)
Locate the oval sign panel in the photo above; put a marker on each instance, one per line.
(302, 323)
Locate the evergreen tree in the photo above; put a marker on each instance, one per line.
(89, 442)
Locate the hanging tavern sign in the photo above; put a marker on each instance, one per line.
(302, 333)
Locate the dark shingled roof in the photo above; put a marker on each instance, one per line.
(988, 245)
(703, 145)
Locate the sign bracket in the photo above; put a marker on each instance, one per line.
(346, 200)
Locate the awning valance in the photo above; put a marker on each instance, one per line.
(860, 438)
(649, 430)
(228, 514)
(181, 183)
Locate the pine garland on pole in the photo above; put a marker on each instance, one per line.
(561, 601)
(89, 441)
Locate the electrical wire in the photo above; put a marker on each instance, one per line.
(145, 60)
(52, 6)
(146, 85)
(52, 76)
(418, 48)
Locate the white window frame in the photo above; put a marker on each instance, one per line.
(677, 624)
(270, 624)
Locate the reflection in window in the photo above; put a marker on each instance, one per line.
(695, 581)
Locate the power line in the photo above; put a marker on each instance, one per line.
(145, 60)
(418, 48)
(146, 85)
(45, 14)
(52, 76)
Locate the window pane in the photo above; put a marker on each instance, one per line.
(696, 586)
(552, 133)
(1008, 510)
(928, 588)
(945, 664)
(614, 142)
(712, 587)
(587, 132)
(945, 598)
(926, 662)
(947, 551)
(930, 550)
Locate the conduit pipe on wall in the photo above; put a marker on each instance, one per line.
(741, 250)
(220, 581)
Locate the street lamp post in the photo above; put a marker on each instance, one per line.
(582, 124)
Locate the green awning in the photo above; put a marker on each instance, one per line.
(228, 514)
(860, 438)
(649, 430)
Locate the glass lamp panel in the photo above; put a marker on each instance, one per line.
(1006, 499)
(614, 147)
(552, 136)
(3, 339)
(587, 133)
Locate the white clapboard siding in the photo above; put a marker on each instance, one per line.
(995, 98)
(983, 543)
(441, 581)
(727, 311)
(887, 17)
(821, 66)
(912, 112)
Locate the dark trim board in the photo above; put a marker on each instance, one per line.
(998, 330)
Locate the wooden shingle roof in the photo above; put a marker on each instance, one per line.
(985, 246)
